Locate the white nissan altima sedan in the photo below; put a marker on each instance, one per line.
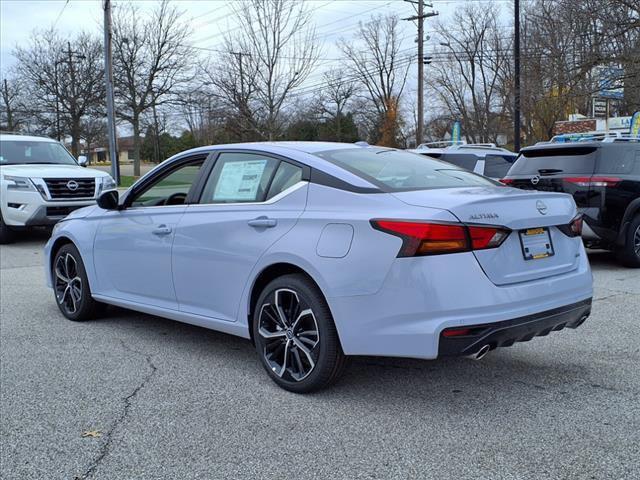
(318, 251)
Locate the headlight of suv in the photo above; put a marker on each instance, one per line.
(106, 183)
(19, 183)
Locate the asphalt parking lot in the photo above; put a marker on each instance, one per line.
(170, 401)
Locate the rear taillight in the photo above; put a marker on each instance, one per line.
(507, 181)
(487, 237)
(422, 238)
(593, 181)
(574, 228)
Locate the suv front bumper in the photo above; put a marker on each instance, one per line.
(28, 209)
(469, 340)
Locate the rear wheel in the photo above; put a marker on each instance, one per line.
(295, 336)
(6, 234)
(629, 254)
(71, 286)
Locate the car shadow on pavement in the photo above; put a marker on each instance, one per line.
(605, 259)
(374, 380)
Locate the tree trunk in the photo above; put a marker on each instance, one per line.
(136, 146)
(8, 107)
(75, 137)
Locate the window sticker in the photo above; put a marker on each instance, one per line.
(239, 181)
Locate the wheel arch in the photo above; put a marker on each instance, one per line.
(631, 211)
(266, 275)
(57, 245)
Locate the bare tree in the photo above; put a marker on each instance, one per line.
(94, 131)
(12, 108)
(376, 61)
(151, 60)
(274, 54)
(231, 79)
(63, 80)
(469, 72)
(339, 89)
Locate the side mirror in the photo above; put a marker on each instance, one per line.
(109, 200)
(82, 160)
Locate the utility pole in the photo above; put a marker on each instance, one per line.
(57, 92)
(108, 78)
(421, 63)
(516, 80)
(71, 55)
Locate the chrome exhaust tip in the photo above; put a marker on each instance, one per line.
(479, 355)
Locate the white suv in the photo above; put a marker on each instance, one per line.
(41, 183)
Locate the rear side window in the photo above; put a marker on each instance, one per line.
(462, 160)
(239, 178)
(397, 171)
(618, 160)
(287, 175)
(496, 166)
(548, 161)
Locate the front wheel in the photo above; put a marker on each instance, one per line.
(71, 286)
(295, 336)
(629, 254)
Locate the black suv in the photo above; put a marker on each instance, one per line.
(603, 176)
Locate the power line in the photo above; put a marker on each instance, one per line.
(60, 14)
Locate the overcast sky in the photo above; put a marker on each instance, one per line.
(334, 20)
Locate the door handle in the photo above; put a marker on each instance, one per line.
(263, 222)
(161, 230)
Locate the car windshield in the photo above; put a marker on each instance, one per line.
(397, 171)
(24, 152)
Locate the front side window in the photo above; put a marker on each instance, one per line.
(239, 178)
(170, 189)
(20, 152)
(397, 171)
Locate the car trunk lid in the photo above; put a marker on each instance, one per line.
(533, 218)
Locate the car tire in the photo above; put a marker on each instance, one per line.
(7, 235)
(629, 254)
(295, 336)
(71, 287)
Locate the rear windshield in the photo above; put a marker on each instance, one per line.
(21, 152)
(397, 171)
(497, 166)
(550, 161)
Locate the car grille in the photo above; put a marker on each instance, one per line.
(60, 211)
(63, 188)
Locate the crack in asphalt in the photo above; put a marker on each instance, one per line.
(128, 401)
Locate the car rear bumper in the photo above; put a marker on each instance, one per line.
(423, 296)
(469, 340)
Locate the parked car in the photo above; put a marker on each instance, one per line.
(485, 158)
(317, 251)
(602, 173)
(41, 182)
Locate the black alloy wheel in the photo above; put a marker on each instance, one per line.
(295, 335)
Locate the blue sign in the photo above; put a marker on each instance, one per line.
(610, 82)
(455, 132)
